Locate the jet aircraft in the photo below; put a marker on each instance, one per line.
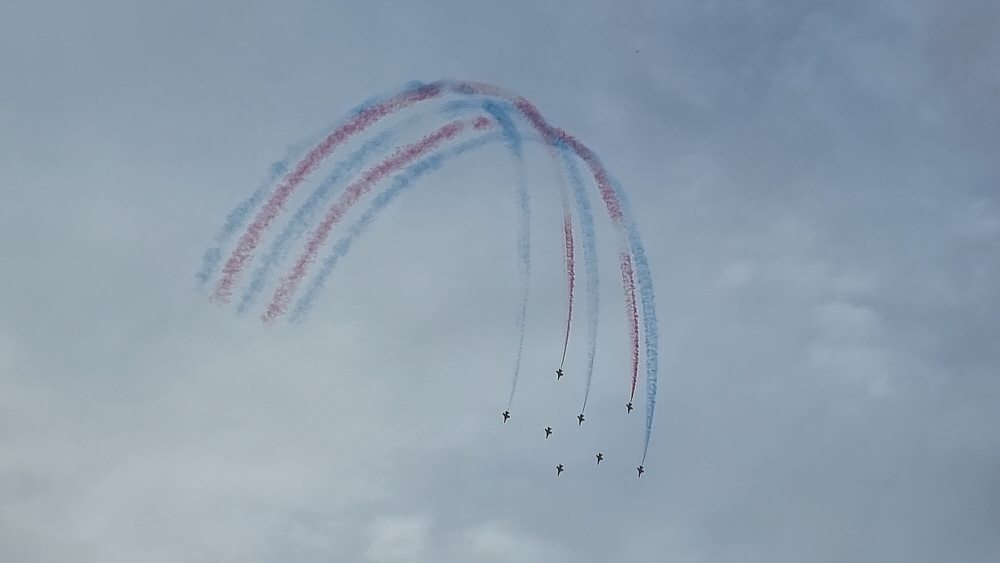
(559, 470)
(600, 457)
(640, 469)
(548, 432)
(580, 418)
(506, 415)
(629, 407)
(559, 374)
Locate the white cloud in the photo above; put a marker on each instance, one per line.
(400, 539)
(494, 542)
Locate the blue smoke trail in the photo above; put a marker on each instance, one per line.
(299, 223)
(586, 216)
(512, 139)
(651, 331)
(400, 183)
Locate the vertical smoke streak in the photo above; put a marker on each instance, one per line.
(631, 310)
(570, 260)
(303, 216)
(400, 183)
(512, 140)
(590, 261)
(251, 237)
(351, 194)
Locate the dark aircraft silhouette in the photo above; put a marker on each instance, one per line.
(629, 407)
(559, 374)
(580, 418)
(640, 469)
(600, 457)
(548, 431)
(506, 415)
(559, 470)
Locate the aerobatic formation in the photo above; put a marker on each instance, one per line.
(274, 252)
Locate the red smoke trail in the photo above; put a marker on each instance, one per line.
(570, 273)
(251, 238)
(351, 194)
(628, 280)
(570, 249)
(550, 133)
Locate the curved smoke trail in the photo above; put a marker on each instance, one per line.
(512, 139)
(236, 218)
(399, 159)
(251, 237)
(299, 222)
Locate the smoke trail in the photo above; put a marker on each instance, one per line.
(651, 334)
(351, 194)
(298, 224)
(570, 261)
(628, 282)
(512, 139)
(590, 264)
(236, 218)
(251, 237)
(400, 183)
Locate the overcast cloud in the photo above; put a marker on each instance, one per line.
(818, 186)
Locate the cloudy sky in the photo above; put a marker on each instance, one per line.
(816, 183)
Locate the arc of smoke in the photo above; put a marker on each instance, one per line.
(238, 216)
(400, 183)
(364, 119)
(610, 194)
(303, 216)
(351, 194)
(590, 260)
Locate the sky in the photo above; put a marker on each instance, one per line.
(816, 184)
